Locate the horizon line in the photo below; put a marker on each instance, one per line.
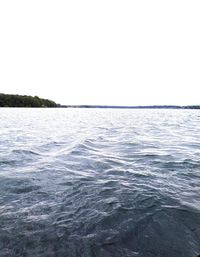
(130, 106)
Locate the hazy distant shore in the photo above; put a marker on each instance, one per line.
(132, 107)
(11, 100)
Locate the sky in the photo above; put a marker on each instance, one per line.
(113, 52)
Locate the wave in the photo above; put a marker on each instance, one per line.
(91, 184)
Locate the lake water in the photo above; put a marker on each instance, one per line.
(99, 183)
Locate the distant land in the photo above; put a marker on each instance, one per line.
(133, 107)
(10, 100)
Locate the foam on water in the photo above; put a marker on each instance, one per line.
(87, 182)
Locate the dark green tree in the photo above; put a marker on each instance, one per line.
(8, 100)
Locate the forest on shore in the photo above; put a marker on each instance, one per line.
(9, 100)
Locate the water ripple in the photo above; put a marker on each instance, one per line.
(85, 183)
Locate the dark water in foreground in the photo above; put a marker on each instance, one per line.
(86, 183)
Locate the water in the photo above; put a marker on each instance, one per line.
(99, 183)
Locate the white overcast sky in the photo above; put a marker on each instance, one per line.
(101, 52)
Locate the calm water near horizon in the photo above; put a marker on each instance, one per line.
(99, 183)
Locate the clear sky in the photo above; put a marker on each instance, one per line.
(137, 52)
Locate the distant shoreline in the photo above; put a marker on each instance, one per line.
(10, 100)
(108, 107)
(25, 101)
(131, 107)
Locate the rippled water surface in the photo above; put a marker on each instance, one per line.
(99, 183)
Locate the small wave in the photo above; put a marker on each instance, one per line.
(24, 189)
(18, 186)
(24, 152)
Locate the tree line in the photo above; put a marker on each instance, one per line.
(9, 100)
